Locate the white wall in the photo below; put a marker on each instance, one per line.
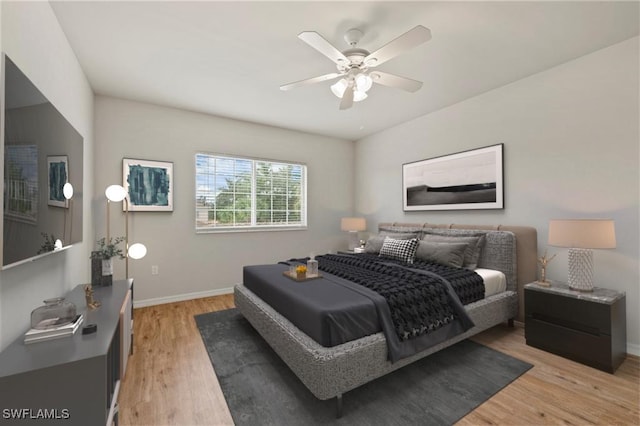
(32, 38)
(571, 150)
(193, 264)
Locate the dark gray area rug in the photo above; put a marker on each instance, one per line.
(438, 390)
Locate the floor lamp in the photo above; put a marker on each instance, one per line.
(67, 191)
(117, 193)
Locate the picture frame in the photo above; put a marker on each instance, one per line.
(57, 176)
(467, 180)
(149, 185)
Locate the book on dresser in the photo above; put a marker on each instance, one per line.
(36, 335)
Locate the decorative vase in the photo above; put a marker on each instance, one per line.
(54, 313)
(96, 269)
(101, 270)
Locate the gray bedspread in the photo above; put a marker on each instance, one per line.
(333, 310)
(330, 310)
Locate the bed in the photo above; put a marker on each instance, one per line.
(330, 371)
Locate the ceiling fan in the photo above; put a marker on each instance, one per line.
(355, 65)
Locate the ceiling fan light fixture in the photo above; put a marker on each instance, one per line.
(339, 88)
(363, 82)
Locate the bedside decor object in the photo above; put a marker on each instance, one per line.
(148, 185)
(581, 236)
(353, 225)
(116, 193)
(544, 261)
(54, 313)
(466, 180)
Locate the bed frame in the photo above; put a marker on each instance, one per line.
(330, 372)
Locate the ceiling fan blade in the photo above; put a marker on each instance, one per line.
(347, 97)
(412, 38)
(392, 80)
(310, 81)
(319, 43)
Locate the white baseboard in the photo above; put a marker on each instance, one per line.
(181, 297)
(633, 349)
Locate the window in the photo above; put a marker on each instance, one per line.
(235, 193)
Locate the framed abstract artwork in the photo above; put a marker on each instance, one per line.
(149, 185)
(58, 175)
(462, 181)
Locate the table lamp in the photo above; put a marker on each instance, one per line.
(353, 225)
(581, 236)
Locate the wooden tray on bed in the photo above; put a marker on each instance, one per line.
(295, 277)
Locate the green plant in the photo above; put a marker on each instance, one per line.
(108, 250)
(49, 243)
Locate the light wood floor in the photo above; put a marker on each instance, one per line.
(170, 380)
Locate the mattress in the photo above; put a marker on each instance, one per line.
(494, 281)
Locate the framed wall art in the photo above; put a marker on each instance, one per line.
(58, 175)
(463, 181)
(149, 185)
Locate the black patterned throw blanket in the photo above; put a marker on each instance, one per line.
(424, 300)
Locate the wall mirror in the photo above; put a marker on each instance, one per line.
(43, 168)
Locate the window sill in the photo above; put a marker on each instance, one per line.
(250, 229)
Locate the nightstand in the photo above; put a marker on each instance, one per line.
(590, 328)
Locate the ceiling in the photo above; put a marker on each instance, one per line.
(229, 58)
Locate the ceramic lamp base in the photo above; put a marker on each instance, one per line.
(581, 269)
(353, 240)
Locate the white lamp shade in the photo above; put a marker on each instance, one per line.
(358, 95)
(115, 193)
(58, 244)
(137, 251)
(67, 191)
(582, 233)
(363, 82)
(353, 224)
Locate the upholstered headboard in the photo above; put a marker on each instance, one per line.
(526, 249)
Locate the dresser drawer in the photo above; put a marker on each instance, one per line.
(581, 315)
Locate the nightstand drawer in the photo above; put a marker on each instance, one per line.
(585, 316)
(590, 349)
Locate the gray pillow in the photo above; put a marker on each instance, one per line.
(446, 253)
(375, 241)
(474, 245)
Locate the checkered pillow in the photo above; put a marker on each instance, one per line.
(403, 250)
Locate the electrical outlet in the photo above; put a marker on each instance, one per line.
(154, 270)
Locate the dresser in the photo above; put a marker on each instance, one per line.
(587, 327)
(71, 380)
